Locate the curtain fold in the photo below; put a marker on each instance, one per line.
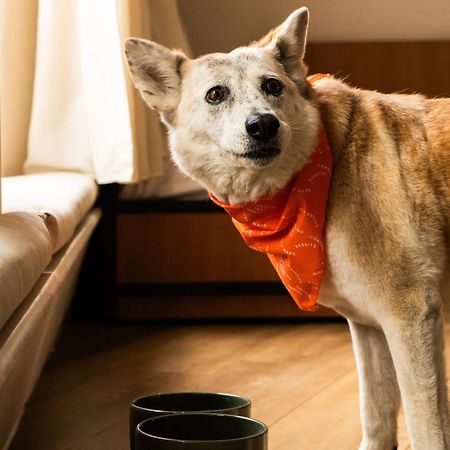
(157, 20)
(17, 56)
(86, 116)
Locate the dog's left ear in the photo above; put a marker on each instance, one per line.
(288, 42)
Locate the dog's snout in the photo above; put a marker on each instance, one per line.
(262, 126)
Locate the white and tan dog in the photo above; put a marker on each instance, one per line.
(243, 123)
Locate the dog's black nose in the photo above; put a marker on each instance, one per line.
(262, 126)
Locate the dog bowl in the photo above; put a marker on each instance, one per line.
(151, 406)
(201, 431)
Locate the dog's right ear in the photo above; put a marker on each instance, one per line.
(156, 72)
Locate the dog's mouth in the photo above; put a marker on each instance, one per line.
(261, 155)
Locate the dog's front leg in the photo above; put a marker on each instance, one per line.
(414, 332)
(379, 395)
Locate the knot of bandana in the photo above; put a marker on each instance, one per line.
(289, 226)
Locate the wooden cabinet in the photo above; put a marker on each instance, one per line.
(188, 261)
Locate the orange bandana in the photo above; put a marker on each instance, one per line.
(289, 226)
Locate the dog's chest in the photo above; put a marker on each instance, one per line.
(344, 287)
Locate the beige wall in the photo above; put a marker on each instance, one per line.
(16, 80)
(214, 25)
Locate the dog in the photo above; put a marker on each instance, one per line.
(388, 214)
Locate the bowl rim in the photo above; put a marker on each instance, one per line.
(264, 430)
(247, 402)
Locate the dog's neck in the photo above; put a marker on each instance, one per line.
(336, 105)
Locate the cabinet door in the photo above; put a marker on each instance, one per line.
(175, 248)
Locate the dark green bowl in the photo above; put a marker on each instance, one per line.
(151, 406)
(201, 431)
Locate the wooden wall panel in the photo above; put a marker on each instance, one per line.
(386, 66)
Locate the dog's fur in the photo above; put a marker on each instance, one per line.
(388, 217)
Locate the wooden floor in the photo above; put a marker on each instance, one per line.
(300, 376)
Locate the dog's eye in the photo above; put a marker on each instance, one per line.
(215, 95)
(272, 86)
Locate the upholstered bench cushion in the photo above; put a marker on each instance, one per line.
(25, 251)
(61, 198)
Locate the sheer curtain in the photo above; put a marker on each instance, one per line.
(17, 49)
(81, 112)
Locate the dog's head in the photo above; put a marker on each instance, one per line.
(240, 123)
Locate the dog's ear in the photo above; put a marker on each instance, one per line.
(156, 72)
(288, 42)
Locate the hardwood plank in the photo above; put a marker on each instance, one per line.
(403, 441)
(325, 419)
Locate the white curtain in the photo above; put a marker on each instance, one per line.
(80, 116)
(85, 115)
